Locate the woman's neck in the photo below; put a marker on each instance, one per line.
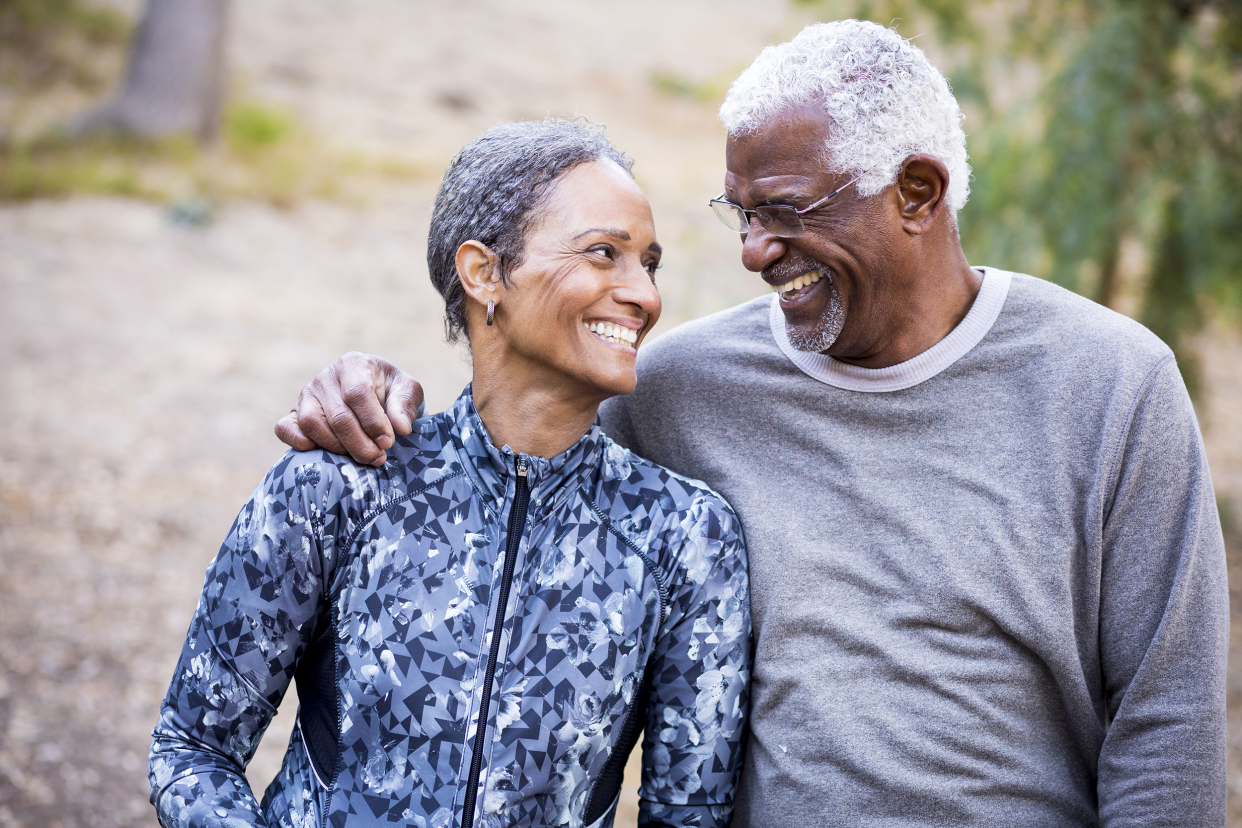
(536, 418)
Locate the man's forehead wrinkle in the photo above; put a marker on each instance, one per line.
(772, 188)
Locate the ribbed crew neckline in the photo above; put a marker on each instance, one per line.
(979, 320)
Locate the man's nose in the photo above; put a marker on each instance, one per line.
(759, 247)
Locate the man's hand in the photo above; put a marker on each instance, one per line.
(353, 407)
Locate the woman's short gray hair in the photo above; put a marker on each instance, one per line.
(885, 98)
(491, 193)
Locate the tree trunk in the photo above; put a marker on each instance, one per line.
(175, 80)
(1106, 290)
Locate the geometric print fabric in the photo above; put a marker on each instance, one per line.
(623, 570)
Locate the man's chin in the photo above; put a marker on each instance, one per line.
(817, 335)
(813, 341)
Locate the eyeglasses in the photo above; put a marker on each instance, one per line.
(778, 219)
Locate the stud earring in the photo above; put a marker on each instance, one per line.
(491, 310)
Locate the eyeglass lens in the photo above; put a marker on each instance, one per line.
(777, 220)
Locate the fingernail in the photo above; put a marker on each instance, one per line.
(384, 442)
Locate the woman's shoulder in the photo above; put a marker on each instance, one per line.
(415, 458)
(686, 528)
(668, 499)
(323, 478)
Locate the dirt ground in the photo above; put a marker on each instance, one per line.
(143, 363)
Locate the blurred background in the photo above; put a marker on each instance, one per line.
(202, 203)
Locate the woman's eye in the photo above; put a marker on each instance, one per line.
(602, 249)
(652, 267)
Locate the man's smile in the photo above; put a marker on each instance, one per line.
(801, 285)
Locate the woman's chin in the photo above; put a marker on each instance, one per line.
(611, 383)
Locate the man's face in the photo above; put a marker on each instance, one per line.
(849, 242)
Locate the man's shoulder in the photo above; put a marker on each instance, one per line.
(704, 352)
(741, 325)
(1067, 327)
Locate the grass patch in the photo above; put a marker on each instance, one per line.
(264, 154)
(54, 167)
(31, 23)
(47, 42)
(59, 56)
(708, 91)
(253, 128)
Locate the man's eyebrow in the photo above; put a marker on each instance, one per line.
(607, 231)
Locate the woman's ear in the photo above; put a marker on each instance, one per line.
(478, 270)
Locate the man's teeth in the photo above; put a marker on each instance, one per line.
(616, 334)
(805, 279)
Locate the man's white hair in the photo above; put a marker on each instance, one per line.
(885, 98)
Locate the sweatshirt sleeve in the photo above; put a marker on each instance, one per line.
(261, 601)
(700, 678)
(1164, 622)
(614, 419)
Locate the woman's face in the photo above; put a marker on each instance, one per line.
(583, 300)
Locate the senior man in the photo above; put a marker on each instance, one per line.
(987, 573)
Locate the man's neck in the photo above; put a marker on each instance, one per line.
(924, 312)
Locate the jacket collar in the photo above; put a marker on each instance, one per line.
(494, 469)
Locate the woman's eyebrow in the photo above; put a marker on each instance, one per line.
(655, 248)
(607, 231)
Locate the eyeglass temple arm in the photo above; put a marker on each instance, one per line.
(820, 203)
(825, 199)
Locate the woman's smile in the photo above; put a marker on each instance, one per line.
(620, 334)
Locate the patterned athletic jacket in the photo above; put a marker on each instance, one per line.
(564, 604)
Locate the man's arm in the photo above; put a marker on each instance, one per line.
(1164, 622)
(355, 406)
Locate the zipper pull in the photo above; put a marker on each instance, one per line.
(521, 466)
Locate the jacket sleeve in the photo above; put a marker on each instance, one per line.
(260, 603)
(1164, 622)
(700, 679)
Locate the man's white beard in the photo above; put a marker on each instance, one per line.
(827, 328)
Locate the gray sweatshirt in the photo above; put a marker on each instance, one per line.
(988, 584)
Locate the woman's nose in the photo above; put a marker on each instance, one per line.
(759, 247)
(638, 288)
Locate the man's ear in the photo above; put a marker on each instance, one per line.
(479, 271)
(922, 186)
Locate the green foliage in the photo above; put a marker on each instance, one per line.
(264, 154)
(30, 22)
(1136, 134)
(1093, 124)
(253, 127)
(46, 41)
(55, 167)
(708, 91)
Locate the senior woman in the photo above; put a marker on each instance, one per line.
(480, 629)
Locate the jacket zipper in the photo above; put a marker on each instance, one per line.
(517, 525)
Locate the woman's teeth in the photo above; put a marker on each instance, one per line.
(616, 334)
(804, 280)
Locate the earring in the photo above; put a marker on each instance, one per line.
(491, 310)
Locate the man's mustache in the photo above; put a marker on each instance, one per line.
(786, 269)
